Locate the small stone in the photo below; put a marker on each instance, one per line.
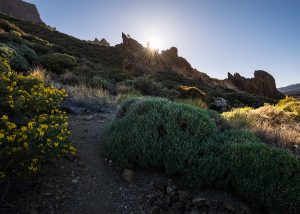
(47, 193)
(169, 190)
(74, 180)
(197, 200)
(110, 162)
(88, 117)
(127, 175)
(183, 196)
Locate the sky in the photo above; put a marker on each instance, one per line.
(215, 36)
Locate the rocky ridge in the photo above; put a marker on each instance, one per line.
(151, 61)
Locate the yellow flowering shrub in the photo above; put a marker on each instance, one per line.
(33, 130)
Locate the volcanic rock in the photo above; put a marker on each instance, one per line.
(102, 42)
(262, 84)
(21, 10)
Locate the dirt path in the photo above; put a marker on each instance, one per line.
(97, 184)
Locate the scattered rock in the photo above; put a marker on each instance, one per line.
(197, 200)
(88, 117)
(74, 180)
(127, 175)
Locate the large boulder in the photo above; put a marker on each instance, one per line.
(262, 84)
(21, 10)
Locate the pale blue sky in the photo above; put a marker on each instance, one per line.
(215, 36)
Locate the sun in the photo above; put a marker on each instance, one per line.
(154, 44)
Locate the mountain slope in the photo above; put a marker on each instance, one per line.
(111, 65)
(291, 90)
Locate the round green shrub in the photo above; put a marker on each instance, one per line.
(156, 132)
(57, 62)
(267, 176)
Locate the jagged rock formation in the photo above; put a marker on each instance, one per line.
(149, 60)
(21, 10)
(262, 84)
(102, 42)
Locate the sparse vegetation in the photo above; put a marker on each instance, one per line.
(275, 124)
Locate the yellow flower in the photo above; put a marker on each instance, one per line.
(4, 118)
(31, 124)
(10, 125)
(10, 138)
(1, 135)
(25, 145)
(23, 128)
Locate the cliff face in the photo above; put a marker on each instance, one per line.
(21, 10)
(262, 84)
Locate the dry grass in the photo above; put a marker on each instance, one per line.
(91, 98)
(41, 74)
(273, 125)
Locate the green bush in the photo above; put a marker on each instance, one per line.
(264, 175)
(118, 75)
(20, 56)
(147, 86)
(99, 82)
(156, 132)
(57, 62)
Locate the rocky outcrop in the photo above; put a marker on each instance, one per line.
(262, 84)
(150, 60)
(21, 10)
(102, 42)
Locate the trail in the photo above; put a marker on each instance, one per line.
(97, 186)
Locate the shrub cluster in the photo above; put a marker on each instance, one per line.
(147, 86)
(57, 62)
(155, 134)
(20, 56)
(33, 130)
(183, 140)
